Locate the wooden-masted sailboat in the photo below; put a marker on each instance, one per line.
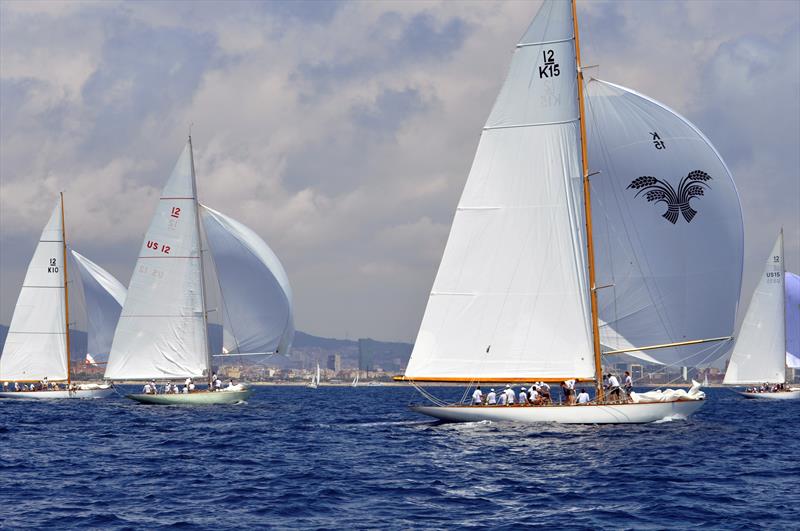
(163, 329)
(761, 353)
(37, 349)
(516, 295)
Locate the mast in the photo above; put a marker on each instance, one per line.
(66, 289)
(587, 205)
(202, 273)
(783, 306)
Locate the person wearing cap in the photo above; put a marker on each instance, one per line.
(502, 400)
(491, 398)
(510, 395)
(477, 397)
(523, 397)
(146, 389)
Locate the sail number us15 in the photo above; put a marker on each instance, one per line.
(550, 67)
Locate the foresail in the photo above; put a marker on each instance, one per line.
(36, 345)
(510, 299)
(161, 330)
(256, 297)
(792, 320)
(667, 228)
(104, 297)
(759, 355)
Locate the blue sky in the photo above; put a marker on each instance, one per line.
(343, 132)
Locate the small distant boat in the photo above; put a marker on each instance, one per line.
(163, 329)
(315, 379)
(705, 380)
(355, 380)
(768, 340)
(38, 344)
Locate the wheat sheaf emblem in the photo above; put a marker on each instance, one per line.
(658, 191)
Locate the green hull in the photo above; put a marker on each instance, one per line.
(193, 399)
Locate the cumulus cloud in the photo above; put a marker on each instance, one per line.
(343, 132)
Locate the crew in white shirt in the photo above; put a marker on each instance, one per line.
(583, 397)
(510, 394)
(477, 397)
(613, 387)
(147, 389)
(534, 398)
(503, 400)
(523, 396)
(491, 398)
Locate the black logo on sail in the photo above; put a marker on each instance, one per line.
(656, 190)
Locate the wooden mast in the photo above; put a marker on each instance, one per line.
(783, 305)
(66, 289)
(587, 204)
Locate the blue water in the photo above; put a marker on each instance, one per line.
(344, 457)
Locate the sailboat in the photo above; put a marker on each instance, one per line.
(315, 379)
(162, 332)
(38, 345)
(517, 295)
(705, 380)
(761, 353)
(355, 380)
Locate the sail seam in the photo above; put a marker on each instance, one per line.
(187, 257)
(51, 287)
(491, 127)
(40, 333)
(525, 44)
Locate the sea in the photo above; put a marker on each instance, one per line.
(344, 457)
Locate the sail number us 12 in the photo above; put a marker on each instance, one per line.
(550, 67)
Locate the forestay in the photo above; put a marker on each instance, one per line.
(104, 296)
(161, 331)
(792, 320)
(667, 228)
(510, 299)
(256, 296)
(36, 345)
(759, 355)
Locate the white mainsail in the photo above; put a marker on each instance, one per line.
(162, 328)
(256, 301)
(759, 355)
(667, 229)
(792, 320)
(36, 345)
(104, 296)
(510, 299)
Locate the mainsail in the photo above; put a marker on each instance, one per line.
(667, 229)
(510, 300)
(36, 346)
(759, 355)
(104, 296)
(162, 328)
(792, 320)
(256, 301)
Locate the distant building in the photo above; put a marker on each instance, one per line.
(335, 363)
(366, 355)
(637, 372)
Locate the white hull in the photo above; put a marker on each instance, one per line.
(58, 395)
(198, 398)
(794, 394)
(588, 414)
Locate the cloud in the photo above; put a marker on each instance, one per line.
(342, 132)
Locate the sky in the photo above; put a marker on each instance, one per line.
(343, 133)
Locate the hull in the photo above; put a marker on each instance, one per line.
(589, 414)
(193, 399)
(59, 395)
(794, 394)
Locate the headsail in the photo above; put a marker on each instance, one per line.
(161, 331)
(667, 228)
(759, 355)
(36, 346)
(104, 297)
(256, 297)
(510, 299)
(792, 320)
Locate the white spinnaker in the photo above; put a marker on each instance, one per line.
(256, 296)
(161, 330)
(759, 355)
(36, 345)
(510, 299)
(669, 282)
(792, 320)
(104, 296)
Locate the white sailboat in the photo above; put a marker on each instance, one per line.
(315, 379)
(163, 329)
(761, 353)
(355, 380)
(516, 296)
(38, 344)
